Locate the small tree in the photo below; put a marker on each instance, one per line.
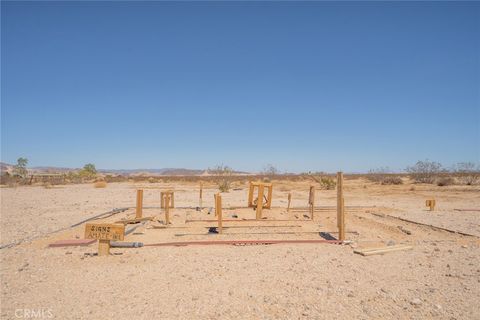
(425, 171)
(89, 171)
(224, 176)
(20, 169)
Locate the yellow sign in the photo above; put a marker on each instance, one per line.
(104, 231)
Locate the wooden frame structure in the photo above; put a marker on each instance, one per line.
(171, 201)
(166, 199)
(261, 192)
(430, 203)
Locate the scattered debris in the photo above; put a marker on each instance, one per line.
(405, 230)
(416, 302)
(212, 230)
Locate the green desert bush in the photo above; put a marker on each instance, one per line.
(327, 183)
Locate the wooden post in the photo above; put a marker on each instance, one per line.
(269, 196)
(103, 247)
(218, 211)
(171, 198)
(311, 200)
(250, 194)
(260, 202)
(167, 208)
(289, 200)
(201, 195)
(340, 207)
(138, 213)
(215, 201)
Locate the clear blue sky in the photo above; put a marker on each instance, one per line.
(304, 86)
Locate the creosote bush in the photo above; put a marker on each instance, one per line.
(445, 181)
(392, 180)
(425, 171)
(224, 176)
(327, 183)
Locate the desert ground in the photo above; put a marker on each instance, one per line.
(438, 278)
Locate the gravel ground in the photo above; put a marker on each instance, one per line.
(438, 278)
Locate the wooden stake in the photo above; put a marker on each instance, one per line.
(340, 207)
(215, 201)
(260, 202)
(201, 195)
(218, 211)
(138, 213)
(311, 200)
(289, 200)
(269, 196)
(103, 247)
(250, 194)
(167, 208)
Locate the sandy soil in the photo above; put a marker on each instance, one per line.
(439, 278)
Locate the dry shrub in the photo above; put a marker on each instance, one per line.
(223, 176)
(445, 181)
(152, 180)
(327, 183)
(392, 180)
(47, 185)
(100, 184)
(425, 171)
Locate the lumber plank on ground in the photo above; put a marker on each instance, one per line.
(382, 250)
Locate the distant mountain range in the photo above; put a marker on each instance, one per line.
(5, 167)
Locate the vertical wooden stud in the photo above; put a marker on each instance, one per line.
(201, 196)
(138, 212)
(260, 202)
(340, 207)
(269, 196)
(250, 194)
(103, 247)
(215, 201)
(289, 200)
(167, 208)
(311, 200)
(218, 211)
(172, 199)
